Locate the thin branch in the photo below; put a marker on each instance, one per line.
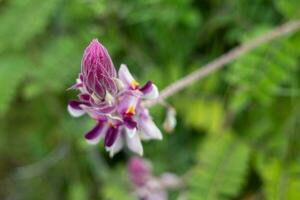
(226, 58)
(39, 167)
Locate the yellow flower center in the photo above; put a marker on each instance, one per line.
(130, 110)
(134, 84)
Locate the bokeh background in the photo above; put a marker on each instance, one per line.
(237, 135)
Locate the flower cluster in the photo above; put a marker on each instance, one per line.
(114, 101)
(146, 185)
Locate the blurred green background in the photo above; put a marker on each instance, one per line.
(237, 135)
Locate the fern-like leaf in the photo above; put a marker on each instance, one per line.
(259, 75)
(281, 179)
(221, 169)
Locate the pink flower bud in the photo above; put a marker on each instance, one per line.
(98, 70)
(139, 171)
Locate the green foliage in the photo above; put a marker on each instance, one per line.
(259, 75)
(288, 8)
(22, 20)
(77, 191)
(12, 73)
(51, 74)
(202, 114)
(281, 179)
(220, 170)
(117, 186)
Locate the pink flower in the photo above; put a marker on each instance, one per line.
(146, 185)
(114, 101)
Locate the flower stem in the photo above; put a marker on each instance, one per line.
(220, 62)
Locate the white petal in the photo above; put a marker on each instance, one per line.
(153, 94)
(134, 144)
(130, 132)
(117, 146)
(95, 140)
(119, 84)
(125, 76)
(75, 112)
(149, 130)
(170, 180)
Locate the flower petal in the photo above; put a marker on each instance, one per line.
(148, 129)
(75, 109)
(129, 122)
(149, 90)
(97, 133)
(85, 97)
(99, 90)
(134, 143)
(111, 136)
(128, 104)
(170, 180)
(126, 77)
(139, 170)
(107, 83)
(116, 147)
(97, 57)
(131, 132)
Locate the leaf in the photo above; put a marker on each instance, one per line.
(59, 66)
(288, 8)
(258, 75)
(77, 191)
(12, 72)
(281, 179)
(21, 20)
(117, 186)
(202, 114)
(220, 170)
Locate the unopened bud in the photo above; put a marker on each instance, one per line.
(95, 98)
(170, 120)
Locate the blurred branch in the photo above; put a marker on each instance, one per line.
(224, 59)
(41, 166)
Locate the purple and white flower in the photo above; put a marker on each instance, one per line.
(114, 101)
(147, 186)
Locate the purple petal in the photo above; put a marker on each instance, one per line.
(149, 90)
(108, 83)
(116, 147)
(94, 112)
(99, 90)
(106, 60)
(89, 81)
(74, 108)
(129, 122)
(85, 97)
(111, 136)
(147, 87)
(139, 171)
(75, 86)
(128, 104)
(94, 135)
(75, 104)
(107, 109)
(96, 56)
